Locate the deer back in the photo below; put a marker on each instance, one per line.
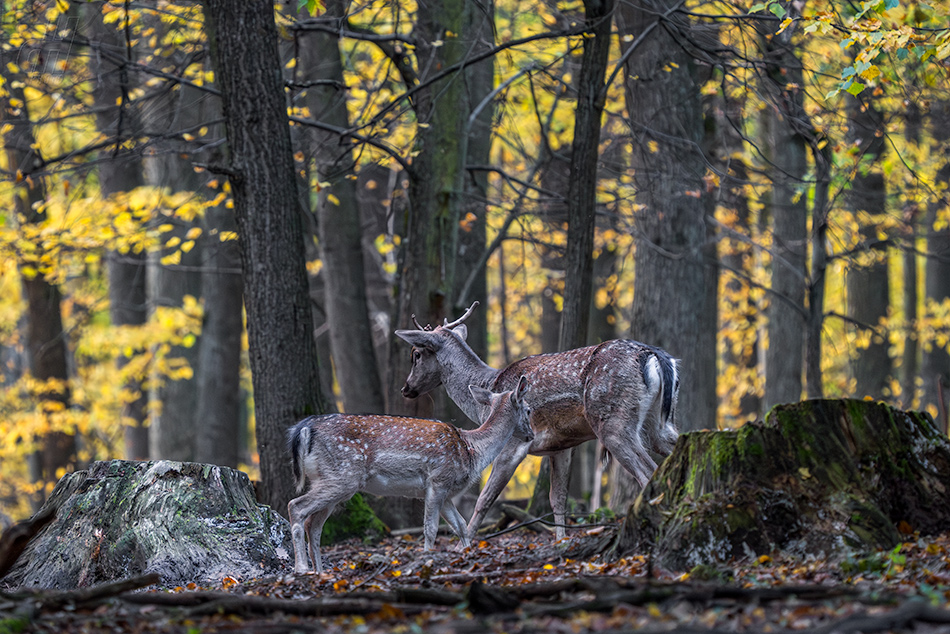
(385, 455)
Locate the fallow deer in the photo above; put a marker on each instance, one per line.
(621, 391)
(342, 454)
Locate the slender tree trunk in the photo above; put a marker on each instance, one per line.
(219, 350)
(46, 342)
(173, 426)
(479, 82)
(935, 360)
(868, 278)
(430, 244)
(786, 125)
(284, 363)
(819, 265)
(582, 190)
(740, 358)
(909, 358)
(120, 170)
(339, 226)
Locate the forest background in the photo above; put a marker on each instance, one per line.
(760, 189)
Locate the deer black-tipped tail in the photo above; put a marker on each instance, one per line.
(298, 442)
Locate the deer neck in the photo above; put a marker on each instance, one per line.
(488, 440)
(461, 367)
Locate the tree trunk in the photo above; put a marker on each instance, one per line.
(935, 360)
(428, 256)
(339, 226)
(219, 349)
(819, 266)
(785, 123)
(120, 170)
(674, 297)
(582, 190)
(740, 340)
(46, 342)
(261, 170)
(909, 358)
(674, 289)
(479, 81)
(173, 427)
(867, 280)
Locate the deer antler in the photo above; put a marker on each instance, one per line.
(463, 317)
(426, 329)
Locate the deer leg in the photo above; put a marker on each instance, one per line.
(430, 524)
(317, 520)
(301, 511)
(455, 520)
(560, 477)
(502, 470)
(627, 448)
(307, 514)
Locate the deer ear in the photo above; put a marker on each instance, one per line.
(462, 331)
(418, 338)
(481, 395)
(522, 386)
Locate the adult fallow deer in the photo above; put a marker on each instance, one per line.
(621, 391)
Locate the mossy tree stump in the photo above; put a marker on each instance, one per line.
(186, 521)
(822, 476)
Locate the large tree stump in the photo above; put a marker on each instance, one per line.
(188, 522)
(822, 476)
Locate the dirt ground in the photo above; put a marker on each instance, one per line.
(523, 582)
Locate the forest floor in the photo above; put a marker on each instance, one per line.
(522, 582)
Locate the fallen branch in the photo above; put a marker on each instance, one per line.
(904, 616)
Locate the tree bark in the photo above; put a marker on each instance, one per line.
(173, 426)
(218, 434)
(868, 279)
(935, 360)
(674, 291)
(46, 342)
(479, 80)
(786, 124)
(582, 190)
(909, 358)
(338, 219)
(740, 339)
(261, 170)
(120, 170)
(428, 256)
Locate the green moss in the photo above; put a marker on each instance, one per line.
(603, 514)
(355, 520)
(740, 519)
(13, 625)
(707, 572)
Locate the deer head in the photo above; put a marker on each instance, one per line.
(427, 342)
